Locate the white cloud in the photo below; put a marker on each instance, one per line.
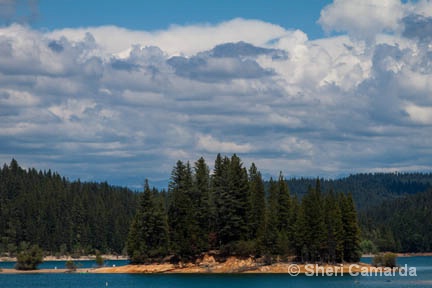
(115, 100)
(178, 40)
(422, 115)
(362, 18)
(210, 144)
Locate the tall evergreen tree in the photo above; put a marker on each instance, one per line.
(182, 223)
(284, 214)
(351, 237)
(301, 233)
(203, 204)
(257, 207)
(315, 229)
(272, 218)
(148, 236)
(334, 227)
(236, 224)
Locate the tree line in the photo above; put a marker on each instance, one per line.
(400, 225)
(61, 216)
(229, 210)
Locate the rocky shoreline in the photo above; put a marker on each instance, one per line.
(207, 264)
(231, 265)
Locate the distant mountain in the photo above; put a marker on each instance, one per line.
(394, 209)
(370, 189)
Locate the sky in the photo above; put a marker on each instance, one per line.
(120, 91)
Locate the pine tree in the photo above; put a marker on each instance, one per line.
(181, 212)
(351, 229)
(219, 187)
(148, 236)
(272, 219)
(301, 233)
(235, 227)
(284, 215)
(257, 209)
(284, 204)
(203, 204)
(334, 227)
(315, 226)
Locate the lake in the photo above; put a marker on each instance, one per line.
(423, 279)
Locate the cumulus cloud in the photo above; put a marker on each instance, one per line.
(362, 18)
(106, 103)
(209, 144)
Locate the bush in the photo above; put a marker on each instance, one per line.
(71, 266)
(240, 248)
(29, 259)
(385, 260)
(99, 260)
(368, 247)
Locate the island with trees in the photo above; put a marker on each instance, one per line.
(211, 215)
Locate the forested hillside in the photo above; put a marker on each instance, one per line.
(402, 225)
(369, 189)
(228, 208)
(62, 216)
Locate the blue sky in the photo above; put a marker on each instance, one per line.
(119, 92)
(157, 15)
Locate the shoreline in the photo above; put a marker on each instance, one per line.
(67, 258)
(207, 265)
(278, 268)
(408, 254)
(121, 257)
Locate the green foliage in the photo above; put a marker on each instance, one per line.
(385, 260)
(368, 247)
(401, 225)
(315, 234)
(256, 211)
(99, 260)
(334, 229)
(352, 251)
(61, 216)
(230, 209)
(241, 248)
(184, 229)
(70, 265)
(29, 258)
(148, 234)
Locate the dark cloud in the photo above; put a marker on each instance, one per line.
(418, 27)
(124, 65)
(56, 46)
(243, 49)
(217, 69)
(223, 63)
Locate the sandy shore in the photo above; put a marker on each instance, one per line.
(279, 268)
(208, 264)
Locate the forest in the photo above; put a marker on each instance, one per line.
(229, 209)
(61, 216)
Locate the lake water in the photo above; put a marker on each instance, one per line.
(423, 279)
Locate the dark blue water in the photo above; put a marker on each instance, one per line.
(423, 279)
(62, 264)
